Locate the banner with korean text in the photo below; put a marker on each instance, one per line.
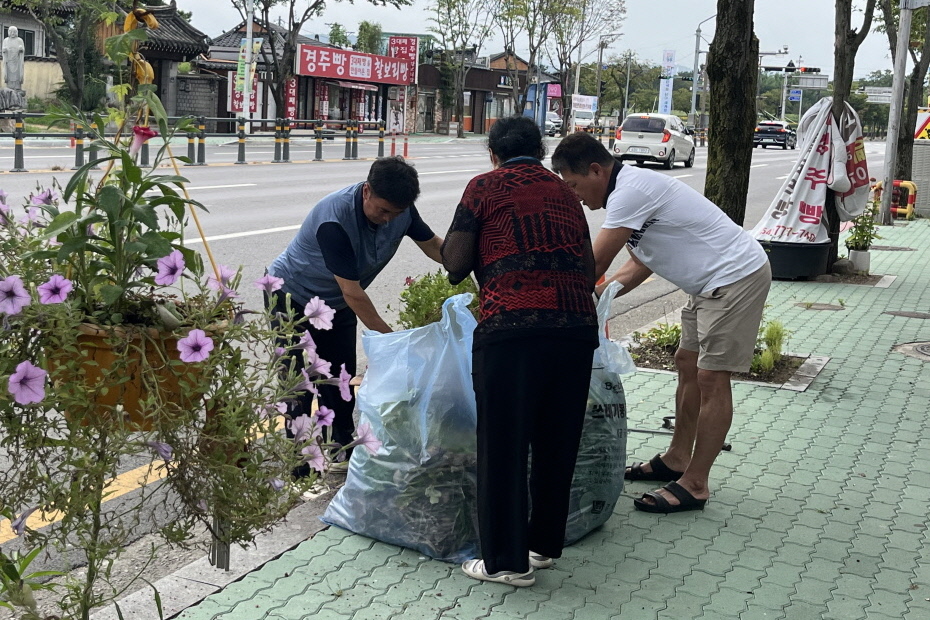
(666, 84)
(244, 71)
(347, 65)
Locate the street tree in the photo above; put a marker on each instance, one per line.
(369, 37)
(914, 87)
(845, 46)
(281, 52)
(526, 23)
(461, 27)
(644, 81)
(580, 23)
(338, 35)
(732, 70)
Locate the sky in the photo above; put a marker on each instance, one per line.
(650, 27)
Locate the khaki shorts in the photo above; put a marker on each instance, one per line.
(722, 325)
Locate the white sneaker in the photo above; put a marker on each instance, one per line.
(475, 569)
(540, 561)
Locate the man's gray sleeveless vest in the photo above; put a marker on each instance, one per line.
(301, 265)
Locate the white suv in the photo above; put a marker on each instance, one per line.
(654, 137)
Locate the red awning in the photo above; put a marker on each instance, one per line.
(355, 85)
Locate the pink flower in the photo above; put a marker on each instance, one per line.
(324, 416)
(170, 268)
(345, 391)
(318, 366)
(301, 427)
(314, 456)
(408, 281)
(269, 283)
(321, 315)
(140, 135)
(366, 437)
(195, 347)
(46, 197)
(226, 276)
(56, 290)
(13, 295)
(27, 384)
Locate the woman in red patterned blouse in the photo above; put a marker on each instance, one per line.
(522, 231)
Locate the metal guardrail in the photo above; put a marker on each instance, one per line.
(284, 130)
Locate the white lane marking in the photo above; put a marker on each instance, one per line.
(250, 233)
(446, 172)
(782, 178)
(223, 186)
(758, 166)
(681, 176)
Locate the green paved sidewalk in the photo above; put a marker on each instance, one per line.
(819, 512)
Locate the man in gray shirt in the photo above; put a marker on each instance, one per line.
(344, 242)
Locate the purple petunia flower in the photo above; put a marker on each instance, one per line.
(195, 347)
(276, 483)
(314, 456)
(321, 315)
(31, 217)
(5, 218)
(46, 197)
(226, 275)
(170, 268)
(269, 410)
(161, 449)
(306, 343)
(19, 523)
(269, 283)
(345, 390)
(324, 416)
(301, 427)
(366, 437)
(307, 385)
(318, 366)
(56, 290)
(27, 384)
(13, 295)
(202, 505)
(3, 196)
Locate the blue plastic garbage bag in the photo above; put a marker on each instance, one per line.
(419, 490)
(598, 480)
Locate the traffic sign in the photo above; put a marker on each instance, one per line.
(793, 98)
(795, 92)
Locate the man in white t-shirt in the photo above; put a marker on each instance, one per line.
(675, 232)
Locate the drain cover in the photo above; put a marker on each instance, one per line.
(910, 315)
(892, 248)
(920, 350)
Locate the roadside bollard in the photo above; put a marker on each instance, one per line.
(277, 141)
(348, 154)
(144, 154)
(92, 149)
(18, 159)
(286, 142)
(191, 150)
(241, 129)
(405, 145)
(610, 137)
(202, 142)
(319, 142)
(355, 125)
(703, 138)
(380, 140)
(393, 143)
(78, 147)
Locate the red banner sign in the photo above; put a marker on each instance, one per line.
(290, 104)
(403, 47)
(333, 63)
(236, 97)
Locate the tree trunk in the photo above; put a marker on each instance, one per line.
(732, 68)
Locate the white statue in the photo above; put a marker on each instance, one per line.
(14, 53)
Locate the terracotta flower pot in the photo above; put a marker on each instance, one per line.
(121, 366)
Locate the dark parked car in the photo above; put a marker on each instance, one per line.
(774, 133)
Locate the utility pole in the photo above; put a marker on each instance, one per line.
(584, 7)
(626, 95)
(784, 88)
(694, 74)
(597, 78)
(247, 87)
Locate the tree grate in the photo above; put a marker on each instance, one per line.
(907, 314)
(892, 248)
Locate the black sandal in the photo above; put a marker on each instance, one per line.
(660, 471)
(662, 505)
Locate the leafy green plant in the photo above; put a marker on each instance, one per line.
(17, 584)
(664, 335)
(422, 299)
(769, 346)
(864, 230)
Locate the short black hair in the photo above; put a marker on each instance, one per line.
(394, 180)
(576, 152)
(516, 136)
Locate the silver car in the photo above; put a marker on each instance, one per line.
(654, 137)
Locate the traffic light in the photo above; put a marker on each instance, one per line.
(809, 69)
(603, 87)
(686, 78)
